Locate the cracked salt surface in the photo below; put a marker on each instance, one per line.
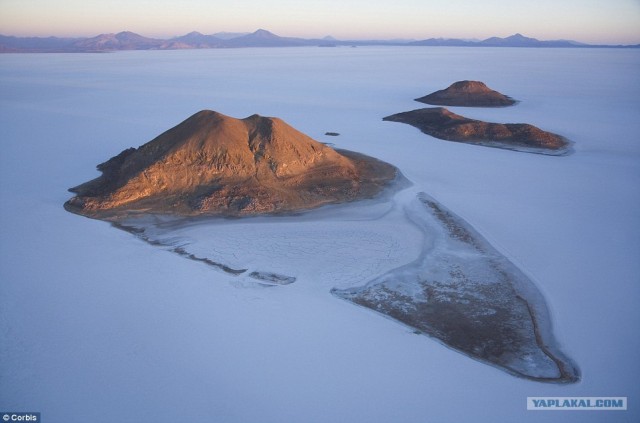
(336, 246)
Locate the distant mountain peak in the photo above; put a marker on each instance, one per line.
(520, 37)
(128, 35)
(264, 33)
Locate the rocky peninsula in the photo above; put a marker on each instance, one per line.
(464, 293)
(218, 165)
(444, 124)
(467, 94)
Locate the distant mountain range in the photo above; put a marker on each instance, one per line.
(261, 38)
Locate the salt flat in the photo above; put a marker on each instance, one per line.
(93, 320)
(334, 246)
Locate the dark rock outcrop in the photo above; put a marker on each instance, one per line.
(215, 164)
(441, 123)
(467, 94)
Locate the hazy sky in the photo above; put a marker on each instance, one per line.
(596, 21)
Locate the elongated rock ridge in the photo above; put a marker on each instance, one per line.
(441, 123)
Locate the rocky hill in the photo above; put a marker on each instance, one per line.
(467, 94)
(216, 164)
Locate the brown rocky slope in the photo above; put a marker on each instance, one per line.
(219, 165)
(441, 123)
(467, 94)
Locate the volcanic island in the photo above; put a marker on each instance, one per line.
(467, 94)
(213, 164)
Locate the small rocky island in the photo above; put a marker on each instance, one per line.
(444, 124)
(218, 165)
(467, 94)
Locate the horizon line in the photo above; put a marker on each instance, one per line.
(325, 37)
